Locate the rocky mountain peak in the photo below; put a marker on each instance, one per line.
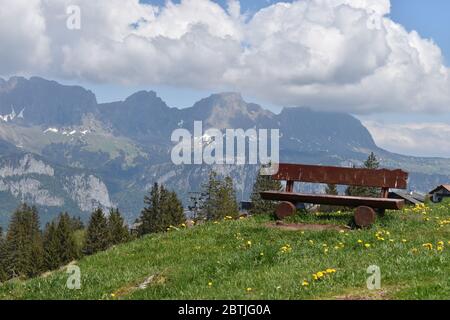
(332, 131)
(145, 101)
(45, 102)
(142, 96)
(228, 110)
(224, 101)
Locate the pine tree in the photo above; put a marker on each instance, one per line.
(118, 231)
(260, 206)
(219, 198)
(371, 163)
(51, 247)
(210, 201)
(59, 243)
(67, 250)
(76, 224)
(331, 189)
(150, 213)
(25, 253)
(3, 270)
(228, 196)
(37, 248)
(97, 235)
(162, 210)
(175, 209)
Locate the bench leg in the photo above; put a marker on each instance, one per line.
(381, 212)
(364, 217)
(285, 209)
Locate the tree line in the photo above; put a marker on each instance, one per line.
(163, 208)
(27, 251)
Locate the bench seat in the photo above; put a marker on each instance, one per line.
(376, 203)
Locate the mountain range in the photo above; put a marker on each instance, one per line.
(61, 150)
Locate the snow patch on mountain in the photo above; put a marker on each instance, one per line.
(54, 130)
(11, 116)
(67, 132)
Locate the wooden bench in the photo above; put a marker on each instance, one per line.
(366, 207)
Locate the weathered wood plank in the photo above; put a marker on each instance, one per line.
(382, 178)
(377, 203)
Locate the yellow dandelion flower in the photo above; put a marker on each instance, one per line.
(113, 295)
(367, 245)
(249, 289)
(440, 243)
(305, 283)
(360, 241)
(428, 246)
(249, 243)
(210, 284)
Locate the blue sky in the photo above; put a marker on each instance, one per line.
(429, 17)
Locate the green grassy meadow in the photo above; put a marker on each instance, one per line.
(244, 259)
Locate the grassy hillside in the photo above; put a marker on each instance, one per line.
(244, 259)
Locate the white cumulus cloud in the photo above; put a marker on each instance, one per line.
(24, 43)
(344, 55)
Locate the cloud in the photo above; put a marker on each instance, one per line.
(417, 139)
(24, 44)
(344, 55)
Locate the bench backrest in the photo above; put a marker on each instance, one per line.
(381, 178)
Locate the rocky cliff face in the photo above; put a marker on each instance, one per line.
(31, 191)
(88, 191)
(27, 165)
(27, 178)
